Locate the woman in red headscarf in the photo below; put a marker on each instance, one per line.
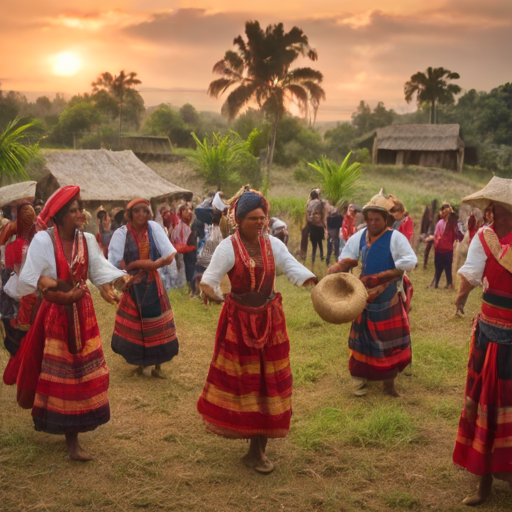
(248, 389)
(144, 332)
(60, 369)
(18, 323)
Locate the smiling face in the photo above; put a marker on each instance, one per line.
(186, 215)
(140, 215)
(252, 224)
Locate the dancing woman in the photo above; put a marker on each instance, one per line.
(60, 369)
(144, 331)
(248, 390)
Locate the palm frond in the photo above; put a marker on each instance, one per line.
(15, 153)
(237, 99)
(220, 86)
(299, 74)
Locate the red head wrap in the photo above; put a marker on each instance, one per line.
(55, 202)
(135, 201)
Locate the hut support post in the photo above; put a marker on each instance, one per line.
(400, 158)
(375, 151)
(460, 159)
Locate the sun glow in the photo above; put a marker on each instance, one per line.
(66, 64)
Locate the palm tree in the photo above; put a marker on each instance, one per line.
(337, 181)
(260, 70)
(432, 87)
(16, 152)
(119, 87)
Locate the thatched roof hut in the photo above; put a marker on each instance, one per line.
(148, 147)
(106, 178)
(13, 194)
(429, 145)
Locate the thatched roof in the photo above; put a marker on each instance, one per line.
(142, 145)
(420, 137)
(17, 191)
(106, 176)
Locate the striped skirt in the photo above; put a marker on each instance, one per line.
(484, 438)
(249, 386)
(380, 341)
(144, 330)
(66, 388)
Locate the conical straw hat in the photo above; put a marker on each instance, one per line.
(498, 190)
(339, 298)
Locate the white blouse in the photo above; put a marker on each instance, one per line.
(118, 241)
(401, 250)
(473, 268)
(41, 262)
(223, 260)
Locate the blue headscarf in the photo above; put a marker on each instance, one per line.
(248, 202)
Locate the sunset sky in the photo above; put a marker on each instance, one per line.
(367, 49)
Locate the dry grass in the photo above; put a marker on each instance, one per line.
(342, 454)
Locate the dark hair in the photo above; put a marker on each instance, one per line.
(119, 218)
(6, 212)
(314, 195)
(101, 215)
(216, 216)
(59, 216)
(381, 212)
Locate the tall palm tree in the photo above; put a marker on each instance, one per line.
(260, 71)
(119, 87)
(432, 87)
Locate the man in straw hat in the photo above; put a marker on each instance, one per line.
(483, 444)
(379, 342)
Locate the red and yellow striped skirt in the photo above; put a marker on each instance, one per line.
(249, 386)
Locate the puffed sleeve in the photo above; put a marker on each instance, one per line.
(165, 248)
(474, 266)
(40, 261)
(116, 246)
(402, 253)
(297, 273)
(100, 270)
(351, 249)
(223, 260)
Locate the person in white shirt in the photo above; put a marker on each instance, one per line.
(380, 342)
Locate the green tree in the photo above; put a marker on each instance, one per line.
(11, 105)
(260, 72)
(165, 120)
(432, 87)
(225, 161)
(18, 148)
(78, 117)
(190, 115)
(336, 181)
(338, 141)
(120, 87)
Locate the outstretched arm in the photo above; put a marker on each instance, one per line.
(465, 289)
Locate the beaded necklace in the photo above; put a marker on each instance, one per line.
(249, 262)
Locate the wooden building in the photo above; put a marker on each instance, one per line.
(427, 145)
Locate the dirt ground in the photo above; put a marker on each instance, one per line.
(342, 454)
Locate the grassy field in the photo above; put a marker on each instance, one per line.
(342, 454)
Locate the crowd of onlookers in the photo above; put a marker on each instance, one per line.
(443, 229)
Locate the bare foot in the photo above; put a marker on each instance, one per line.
(388, 387)
(139, 370)
(250, 460)
(157, 372)
(483, 492)
(75, 451)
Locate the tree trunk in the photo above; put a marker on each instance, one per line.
(270, 158)
(433, 111)
(120, 112)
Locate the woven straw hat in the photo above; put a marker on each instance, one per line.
(498, 190)
(339, 298)
(380, 202)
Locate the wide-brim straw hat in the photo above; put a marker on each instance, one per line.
(339, 298)
(498, 190)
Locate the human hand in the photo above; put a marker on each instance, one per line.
(108, 293)
(312, 281)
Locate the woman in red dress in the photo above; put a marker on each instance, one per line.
(483, 444)
(248, 390)
(59, 369)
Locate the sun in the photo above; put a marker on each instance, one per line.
(66, 64)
